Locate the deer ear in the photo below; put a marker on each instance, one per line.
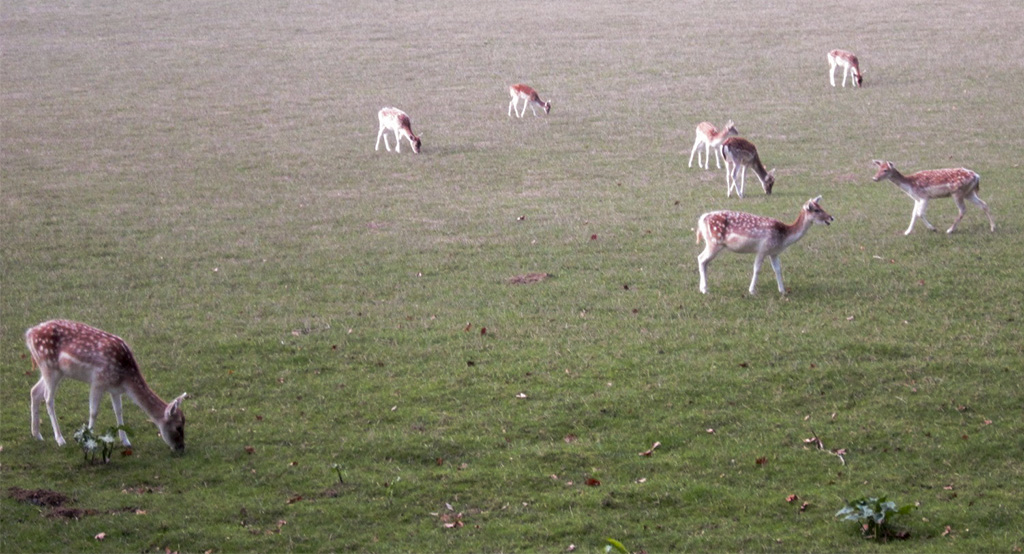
(878, 163)
(816, 200)
(176, 404)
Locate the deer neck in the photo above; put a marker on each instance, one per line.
(796, 230)
(902, 181)
(758, 167)
(145, 398)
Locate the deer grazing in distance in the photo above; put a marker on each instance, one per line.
(962, 184)
(752, 234)
(77, 351)
(740, 153)
(394, 119)
(710, 138)
(850, 65)
(529, 97)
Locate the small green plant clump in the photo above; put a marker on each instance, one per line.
(875, 517)
(103, 443)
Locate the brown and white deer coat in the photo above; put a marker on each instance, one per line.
(711, 139)
(753, 234)
(850, 65)
(739, 154)
(397, 121)
(529, 98)
(960, 184)
(67, 349)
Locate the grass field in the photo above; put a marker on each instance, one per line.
(199, 178)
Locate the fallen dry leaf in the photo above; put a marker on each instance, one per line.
(250, 450)
(762, 461)
(100, 536)
(591, 482)
(791, 498)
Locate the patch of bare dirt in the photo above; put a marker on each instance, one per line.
(528, 278)
(56, 502)
(39, 497)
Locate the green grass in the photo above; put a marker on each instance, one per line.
(199, 178)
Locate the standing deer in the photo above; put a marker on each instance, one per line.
(850, 65)
(752, 234)
(394, 119)
(741, 153)
(710, 138)
(927, 185)
(529, 97)
(62, 349)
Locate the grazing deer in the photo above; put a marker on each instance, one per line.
(752, 234)
(741, 153)
(394, 119)
(850, 65)
(927, 185)
(529, 97)
(710, 138)
(68, 349)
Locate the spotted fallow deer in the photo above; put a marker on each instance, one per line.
(850, 65)
(529, 97)
(711, 139)
(740, 153)
(752, 234)
(77, 351)
(397, 121)
(962, 184)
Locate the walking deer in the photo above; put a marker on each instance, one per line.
(529, 97)
(741, 154)
(960, 183)
(77, 351)
(752, 234)
(394, 119)
(711, 139)
(850, 65)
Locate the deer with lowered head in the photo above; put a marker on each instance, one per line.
(67, 349)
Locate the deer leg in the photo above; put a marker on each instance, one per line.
(38, 395)
(95, 397)
(708, 160)
(758, 259)
(115, 402)
(984, 207)
(922, 207)
(398, 142)
(832, 72)
(695, 150)
(743, 179)
(510, 105)
(710, 251)
(50, 394)
(728, 180)
(777, 267)
(380, 133)
(962, 209)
